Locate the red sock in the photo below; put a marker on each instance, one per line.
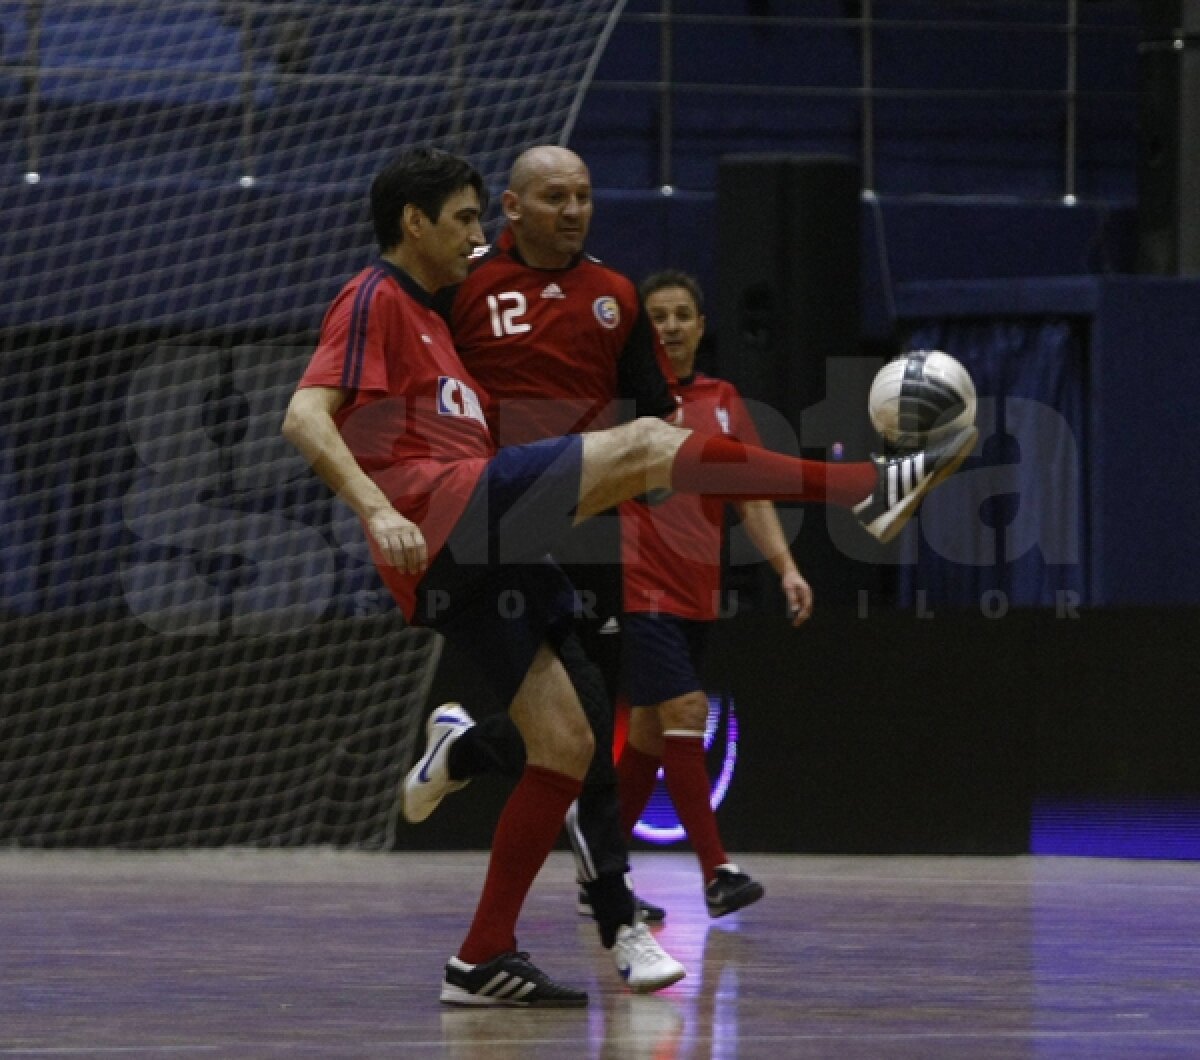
(525, 834)
(686, 775)
(726, 469)
(636, 775)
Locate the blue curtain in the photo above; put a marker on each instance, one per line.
(1010, 529)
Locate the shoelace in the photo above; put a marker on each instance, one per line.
(643, 942)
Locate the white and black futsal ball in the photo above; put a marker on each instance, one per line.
(919, 397)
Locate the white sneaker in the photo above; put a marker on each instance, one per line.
(642, 962)
(904, 481)
(428, 782)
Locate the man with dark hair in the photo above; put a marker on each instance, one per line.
(560, 343)
(391, 420)
(419, 179)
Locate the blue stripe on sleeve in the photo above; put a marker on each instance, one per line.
(356, 341)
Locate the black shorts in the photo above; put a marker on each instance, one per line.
(493, 590)
(662, 657)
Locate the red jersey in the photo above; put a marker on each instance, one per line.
(414, 416)
(556, 348)
(671, 552)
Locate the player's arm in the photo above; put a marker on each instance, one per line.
(639, 377)
(310, 427)
(763, 526)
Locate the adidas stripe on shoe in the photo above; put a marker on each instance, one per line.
(904, 481)
(508, 980)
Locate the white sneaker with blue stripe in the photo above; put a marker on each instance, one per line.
(428, 782)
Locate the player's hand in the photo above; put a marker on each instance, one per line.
(399, 540)
(799, 597)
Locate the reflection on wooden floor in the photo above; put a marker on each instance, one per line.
(253, 954)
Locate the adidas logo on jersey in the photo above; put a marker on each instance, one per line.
(552, 290)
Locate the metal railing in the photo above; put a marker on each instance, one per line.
(867, 22)
(1075, 21)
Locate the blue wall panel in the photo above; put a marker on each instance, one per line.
(1145, 427)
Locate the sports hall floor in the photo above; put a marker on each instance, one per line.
(247, 954)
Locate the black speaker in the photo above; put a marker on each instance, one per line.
(788, 280)
(1169, 151)
(789, 329)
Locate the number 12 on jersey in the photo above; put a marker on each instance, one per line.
(506, 309)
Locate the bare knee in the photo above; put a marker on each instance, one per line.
(624, 461)
(686, 713)
(566, 746)
(558, 737)
(548, 714)
(651, 447)
(656, 441)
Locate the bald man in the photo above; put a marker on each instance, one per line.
(461, 531)
(561, 345)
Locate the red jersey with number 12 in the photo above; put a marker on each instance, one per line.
(671, 552)
(549, 340)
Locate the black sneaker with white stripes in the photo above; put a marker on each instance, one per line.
(904, 481)
(510, 979)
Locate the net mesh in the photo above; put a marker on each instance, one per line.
(195, 647)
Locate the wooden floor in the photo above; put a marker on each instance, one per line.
(320, 954)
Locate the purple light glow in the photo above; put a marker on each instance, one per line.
(658, 823)
(1117, 827)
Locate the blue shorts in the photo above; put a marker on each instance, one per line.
(523, 504)
(493, 589)
(661, 657)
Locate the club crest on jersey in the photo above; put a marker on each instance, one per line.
(607, 310)
(455, 398)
